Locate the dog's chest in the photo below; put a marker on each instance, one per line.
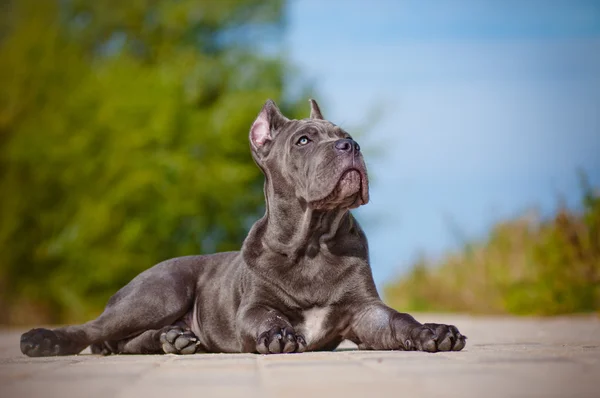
(315, 326)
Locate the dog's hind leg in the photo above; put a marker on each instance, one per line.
(174, 339)
(154, 299)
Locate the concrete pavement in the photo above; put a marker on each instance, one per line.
(504, 357)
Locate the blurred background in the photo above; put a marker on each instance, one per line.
(123, 142)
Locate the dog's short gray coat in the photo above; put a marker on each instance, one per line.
(301, 281)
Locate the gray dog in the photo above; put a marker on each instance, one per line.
(302, 280)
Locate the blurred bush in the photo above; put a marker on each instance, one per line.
(123, 141)
(525, 266)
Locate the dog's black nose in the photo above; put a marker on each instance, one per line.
(347, 145)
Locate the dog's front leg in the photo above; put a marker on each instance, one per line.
(267, 331)
(376, 326)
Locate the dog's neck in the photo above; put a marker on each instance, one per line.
(291, 228)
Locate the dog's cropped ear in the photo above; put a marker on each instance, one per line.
(315, 112)
(264, 128)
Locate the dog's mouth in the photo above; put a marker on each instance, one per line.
(351, 191)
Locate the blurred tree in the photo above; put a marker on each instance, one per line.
(123, 141)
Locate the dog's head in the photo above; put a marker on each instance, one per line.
(313, 159)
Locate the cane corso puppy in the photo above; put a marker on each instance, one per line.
(301, 281)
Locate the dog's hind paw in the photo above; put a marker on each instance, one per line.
(42, 343)
(178, 341)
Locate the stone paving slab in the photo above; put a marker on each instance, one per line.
(504, 357)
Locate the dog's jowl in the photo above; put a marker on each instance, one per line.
(301, 281)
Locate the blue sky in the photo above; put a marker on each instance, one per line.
(485, 109)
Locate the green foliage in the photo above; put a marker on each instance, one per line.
(123, 141)
(523, 267)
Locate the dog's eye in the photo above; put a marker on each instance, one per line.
(303, 140)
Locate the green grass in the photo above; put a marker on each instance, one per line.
(524, 266)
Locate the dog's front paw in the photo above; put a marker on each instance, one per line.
(280, 340)
(178, 341)
(433, 337)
